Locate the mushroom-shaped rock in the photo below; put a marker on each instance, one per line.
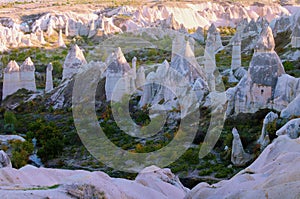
(74, 60)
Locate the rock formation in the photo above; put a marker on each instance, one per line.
(183, 59)
(292, 129)
(236, 61)
(93, 30)
(11, 79)
(151, 183)
(74, 60)
(198, 35)
(292, 110)
(281, 25)
(214, 38)
(264, 139)
(49, 78)
(268, 177)
(210, 63)
(140, 78)
(238, 156)
(27, 75)
(117, 79)
(262, 87)
(41, 37)
(4, 160)
(60, 41)
(296, 35)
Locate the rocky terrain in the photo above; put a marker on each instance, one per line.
(213, 87)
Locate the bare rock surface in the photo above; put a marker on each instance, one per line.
(272, 173)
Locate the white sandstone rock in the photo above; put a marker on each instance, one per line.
(293, 109)
(27, 75)
(238, 156)
(11, 80)
(117, 76)
(264, 137)
(274, 174)
(60, 41)
(49, 78)
(292, 129)
(74, 60)
(4, 160)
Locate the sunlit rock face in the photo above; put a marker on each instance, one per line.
(118, 76)
(49, 78)
(11, 80)
(266, 85)
(74, 60)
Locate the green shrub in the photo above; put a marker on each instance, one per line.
(20, 153)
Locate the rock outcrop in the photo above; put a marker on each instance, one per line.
(117, 76)
(266, 84)
(33, 182)
(4, 160)
(236, 60)
(238, 156)
(214, 38)
(292, 129)
(274, 174)
(292, 109)
(74, 60)
(198, 35)
(60, 41)
(27, 75)
(264, 139)
(49, 78)
(296, 34)
(16, 77)
(11, 79)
